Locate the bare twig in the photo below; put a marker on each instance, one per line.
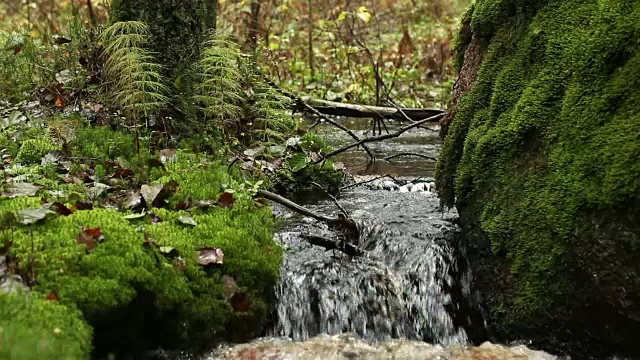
(293, 206)
(335, 201)
(303, 105)
(406, 116)
(410, 154)
(329, 244)
(381, 137)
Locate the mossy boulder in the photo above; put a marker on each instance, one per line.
(139, 283)
(34, 328)
(541, 161)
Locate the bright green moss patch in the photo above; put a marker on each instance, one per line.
(140, 285)
(33, 150)
(549, 135)
(34, 328)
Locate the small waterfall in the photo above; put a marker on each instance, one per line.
(400, 289)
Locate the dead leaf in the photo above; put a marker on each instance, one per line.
(52, 296)
(315, 157)
(226, 200)
(229, 286)
(89, 237)
(168, 250)
(134, 216)
(167, 155)
(134, 200)
(20, 189)
(155, 195)
(202, 204)
(240, 301)
(184, 204)
(210, 255)
(84, 205)
(188, 220)
(61, 209)
(338, 166)
(123, 173)
(149, 242)
(155, 218)
(59, 101)
(32, 216)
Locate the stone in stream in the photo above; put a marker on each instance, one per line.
(346, 346)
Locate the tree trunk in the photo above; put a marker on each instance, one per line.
(177, 29)
(212, 13)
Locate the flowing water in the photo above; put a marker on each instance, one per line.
(408, 297)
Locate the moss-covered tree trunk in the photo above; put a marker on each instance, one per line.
(177, 28)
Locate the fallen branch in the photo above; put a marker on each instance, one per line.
(339, 245)
(346, 227)
(293, 206)
(381, 137)
(333, 198)
(302, 105)
(366, 111)
(405, 116)
(410, 154)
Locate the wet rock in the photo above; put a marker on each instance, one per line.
(346, 346)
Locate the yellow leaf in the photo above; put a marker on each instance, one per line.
(363, 14)
(342, 16)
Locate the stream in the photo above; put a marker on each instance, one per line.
(408, 297)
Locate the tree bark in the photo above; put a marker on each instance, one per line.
(177, 29)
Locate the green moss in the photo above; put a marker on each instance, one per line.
(34, 328)
(32, 151)
(548, 135)
(138, 297)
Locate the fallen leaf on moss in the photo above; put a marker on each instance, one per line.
(168, 250)
(20, 189)
(155, 218)
(52, 296)
(89, 237)
(32, 216)
(134, 200)
(202, 204)
(187, 220)
(156, 195)
(184, 204)
(84, 205)
(229, 286)
(61, 209)
(210, 255)
(226, 200)
(240, 301)
(134, 216)
(123, 173)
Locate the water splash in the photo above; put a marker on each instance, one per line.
(401, 289)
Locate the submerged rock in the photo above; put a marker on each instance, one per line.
(346, 346)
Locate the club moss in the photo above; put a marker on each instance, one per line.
(541, 160)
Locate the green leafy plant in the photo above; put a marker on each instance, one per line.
(134, 81)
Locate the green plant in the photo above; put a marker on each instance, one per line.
(220, 89)
(134, 80)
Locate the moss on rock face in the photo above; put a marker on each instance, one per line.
(34, 328)
(541, 160)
